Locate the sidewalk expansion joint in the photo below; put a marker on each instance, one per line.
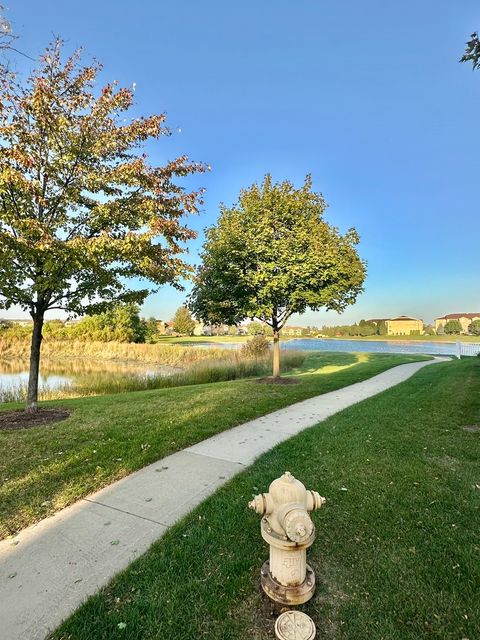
(128, 513)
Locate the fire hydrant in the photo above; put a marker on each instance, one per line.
(287, 527)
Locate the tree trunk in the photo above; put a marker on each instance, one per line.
(276, 354)
(32, 393)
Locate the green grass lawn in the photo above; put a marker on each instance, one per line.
(397, 549)
(43, 469)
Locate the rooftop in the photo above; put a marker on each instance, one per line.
(456, 316)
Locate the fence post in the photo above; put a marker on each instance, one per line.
(459, 349)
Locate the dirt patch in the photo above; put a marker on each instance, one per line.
(446, 462)
(272, 380)
(472, 428)
(21, 419)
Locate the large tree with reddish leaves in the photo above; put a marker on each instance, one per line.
(82, 211)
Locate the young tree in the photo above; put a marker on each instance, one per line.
(152, 334)
(474, 327)
(183, 322)
(272, 255)
(452, 327)
(256, 329)
(382, 328)
(82, 211)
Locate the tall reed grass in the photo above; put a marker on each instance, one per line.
(232, 367)
(172, 354)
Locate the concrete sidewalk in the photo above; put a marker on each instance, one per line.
(52, 567)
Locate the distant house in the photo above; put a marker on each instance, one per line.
(23, 322)
(404, 326)
(292, 331)
(202, 329)
(169, 331)
(161, 327)
(465, 319)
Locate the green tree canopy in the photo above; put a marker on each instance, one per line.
(452, 327)
(256, 329)
(120, 323)
(474, 327)
(152, 333)
(183, 322)
(82, 211)
(271, 255)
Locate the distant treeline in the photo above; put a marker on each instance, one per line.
(119, 324)
(363, 328)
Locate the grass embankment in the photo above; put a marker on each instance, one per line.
(397, 549)
(46, 468)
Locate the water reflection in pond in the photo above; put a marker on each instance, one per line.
(351, 346)
(373, 346)
(56, 375)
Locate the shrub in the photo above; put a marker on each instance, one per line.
(257, 347)
(256, 329)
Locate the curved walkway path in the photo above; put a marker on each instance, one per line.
(52, 567)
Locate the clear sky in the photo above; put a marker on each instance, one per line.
(367, 96)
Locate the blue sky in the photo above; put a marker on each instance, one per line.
(368, 97)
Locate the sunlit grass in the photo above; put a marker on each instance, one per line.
(170, 354)
(107, 437)
(345, 361)
(397, 549)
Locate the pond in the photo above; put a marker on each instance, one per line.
(367, 346)
(373, 346)
(56, 375)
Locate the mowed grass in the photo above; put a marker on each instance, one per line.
(43, 469)
(397, 549)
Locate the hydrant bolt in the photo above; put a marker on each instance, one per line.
(287, 527)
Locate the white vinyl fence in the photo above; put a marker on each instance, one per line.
(467, 349)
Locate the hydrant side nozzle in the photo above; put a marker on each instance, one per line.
(314, 500)
(261, 504)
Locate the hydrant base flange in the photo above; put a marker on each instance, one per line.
(291, 595)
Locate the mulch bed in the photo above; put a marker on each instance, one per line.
(21, 419)
(272, 380)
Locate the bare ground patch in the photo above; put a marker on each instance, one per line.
(472, 428)
(21, 419)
